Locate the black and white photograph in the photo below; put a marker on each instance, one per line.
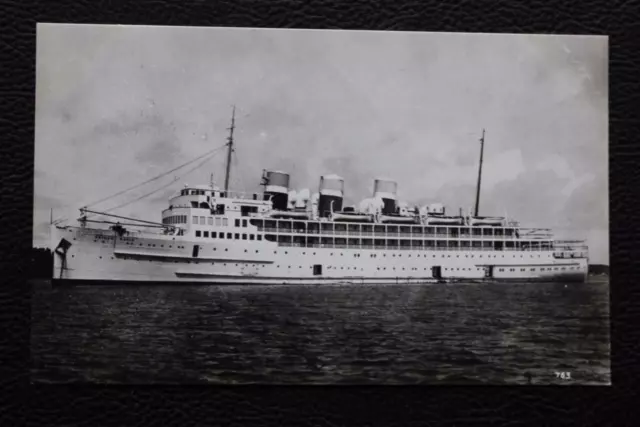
(311, 207)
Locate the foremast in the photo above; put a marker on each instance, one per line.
(229, 149)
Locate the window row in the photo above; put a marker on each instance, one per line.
(219, 222)
(288, 226)
(175, 219)
(221, 235)
(203, 220)
(355, 243)
(542, 269)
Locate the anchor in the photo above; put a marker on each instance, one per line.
(61, 250)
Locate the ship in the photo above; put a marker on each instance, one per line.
(213, 235)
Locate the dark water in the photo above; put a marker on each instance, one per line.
(429, 334)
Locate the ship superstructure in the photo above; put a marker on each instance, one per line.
(214, 235)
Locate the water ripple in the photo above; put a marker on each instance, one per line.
(453, 334)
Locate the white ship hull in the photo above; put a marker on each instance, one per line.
(99, 256)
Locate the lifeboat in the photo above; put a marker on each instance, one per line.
(350, 216)
(444, 220)
(486, 220)
(397, 219)
(289, 214)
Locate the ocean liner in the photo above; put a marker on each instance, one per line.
(212, 235)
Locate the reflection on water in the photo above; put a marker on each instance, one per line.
(445, 334)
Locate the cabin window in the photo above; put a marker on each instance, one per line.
(213, 234)
(202, 221)
(218, 221)
(229, 236)
(244, 222)
(221, 236)
(195, 220)
(225, 222)
(197, 233)
(244, 237)
(259, 237)
(237, 236)
(237, 223)
(210, 220)
(220, 209)
(251, 237)
(206, 234)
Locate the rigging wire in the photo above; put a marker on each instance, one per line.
(211, 156)
(157, 177)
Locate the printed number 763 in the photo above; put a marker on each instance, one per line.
(563, 375)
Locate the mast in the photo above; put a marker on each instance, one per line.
(479, 175)
(229, 149)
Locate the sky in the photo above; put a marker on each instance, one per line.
(118, 105)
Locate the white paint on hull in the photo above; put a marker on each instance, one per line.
(96, 255)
